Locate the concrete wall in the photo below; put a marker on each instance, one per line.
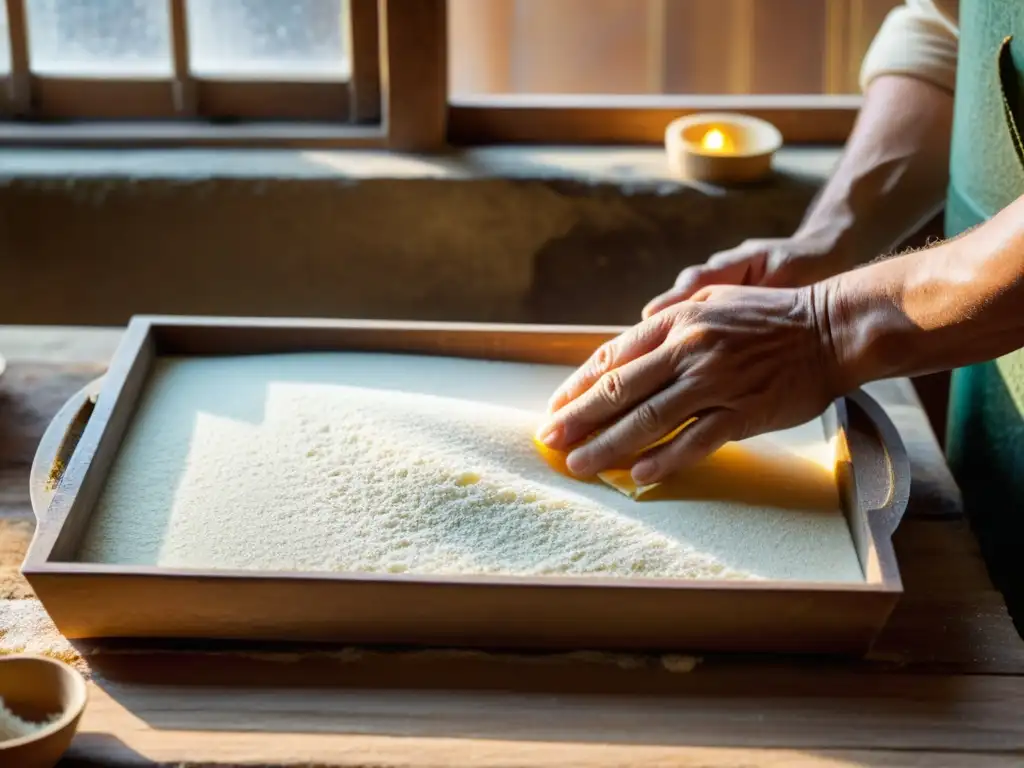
(504, 235)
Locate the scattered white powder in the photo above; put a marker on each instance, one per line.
(424, 465)
(13, 727)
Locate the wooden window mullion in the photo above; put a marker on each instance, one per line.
(414, 73)
(184, 87)
(364, 54)
(20, 80)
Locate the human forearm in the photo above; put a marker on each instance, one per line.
(891, 179)
(892, 176)
(954, 304)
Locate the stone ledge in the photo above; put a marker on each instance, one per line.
(645, 166)
(581, 235)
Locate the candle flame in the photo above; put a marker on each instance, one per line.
(716, 140)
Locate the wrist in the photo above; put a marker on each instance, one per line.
(839, 361)
(869, 337)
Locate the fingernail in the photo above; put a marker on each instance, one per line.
(550, 434)
(644, 472)
(578, 464)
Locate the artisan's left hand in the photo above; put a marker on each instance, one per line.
(744, 360)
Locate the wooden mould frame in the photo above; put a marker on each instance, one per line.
(88, 600)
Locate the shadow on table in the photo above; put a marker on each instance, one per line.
(585, 698)
(102, 750)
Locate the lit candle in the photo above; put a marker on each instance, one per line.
(717, 141)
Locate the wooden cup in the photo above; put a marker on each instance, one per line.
(37, 688)
(750, 145)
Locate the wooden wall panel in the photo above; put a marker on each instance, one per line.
(581, 46)
(789, 47)
(702, 47)
(697, 40)
(480, 53)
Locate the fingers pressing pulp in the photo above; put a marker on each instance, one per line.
(644, 425)
(612, 395)
(634, 343)
(705, 436)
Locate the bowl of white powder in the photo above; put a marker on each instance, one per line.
(41, 702)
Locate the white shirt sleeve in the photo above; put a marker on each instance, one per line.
(918, 39)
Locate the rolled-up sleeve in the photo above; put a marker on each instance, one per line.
(916, 39)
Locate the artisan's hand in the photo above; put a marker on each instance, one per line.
(784, 263)
(744, 360)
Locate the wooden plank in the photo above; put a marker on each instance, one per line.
(465, 709)
(480, 46)
(696, 32)
(59, 530)
(99, 98)
(364, 47)
(775, 64)
(184, 90)
(639, 119)
(414, 73)
(656, 17)
(125, 134)
(255, 100)
(266, 99)
(19, 82)
(580, 46)
(114, 736)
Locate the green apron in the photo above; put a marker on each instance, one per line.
(985, 440)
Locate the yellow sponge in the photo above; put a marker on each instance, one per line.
(618, 478)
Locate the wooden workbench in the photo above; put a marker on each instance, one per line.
(945, 685)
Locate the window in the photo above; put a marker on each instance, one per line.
(303, 72)
(413, 74)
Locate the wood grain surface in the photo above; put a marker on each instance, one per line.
(944, 686)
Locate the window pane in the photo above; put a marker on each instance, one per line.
(282, 38)
(111, 38)
(659, 46)
(5, 49)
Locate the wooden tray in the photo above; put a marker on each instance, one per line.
(88, 600)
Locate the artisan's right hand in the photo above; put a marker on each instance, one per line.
(782, 263)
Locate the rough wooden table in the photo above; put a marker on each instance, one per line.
(944, 686)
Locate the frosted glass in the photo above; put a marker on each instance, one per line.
(5, 48)
(111, 38)
(261, 38)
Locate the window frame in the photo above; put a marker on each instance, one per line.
(811, 119)
(183, 109)
(396, 98)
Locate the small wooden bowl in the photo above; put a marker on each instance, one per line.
(751, 144)
(35, 688)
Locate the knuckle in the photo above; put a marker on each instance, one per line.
(612, 389)
(691, 334)
(604, 357)
(688, 275)
(704, 293)
(648, 419)
(727, 258)
(756, 245)
(677, 353)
